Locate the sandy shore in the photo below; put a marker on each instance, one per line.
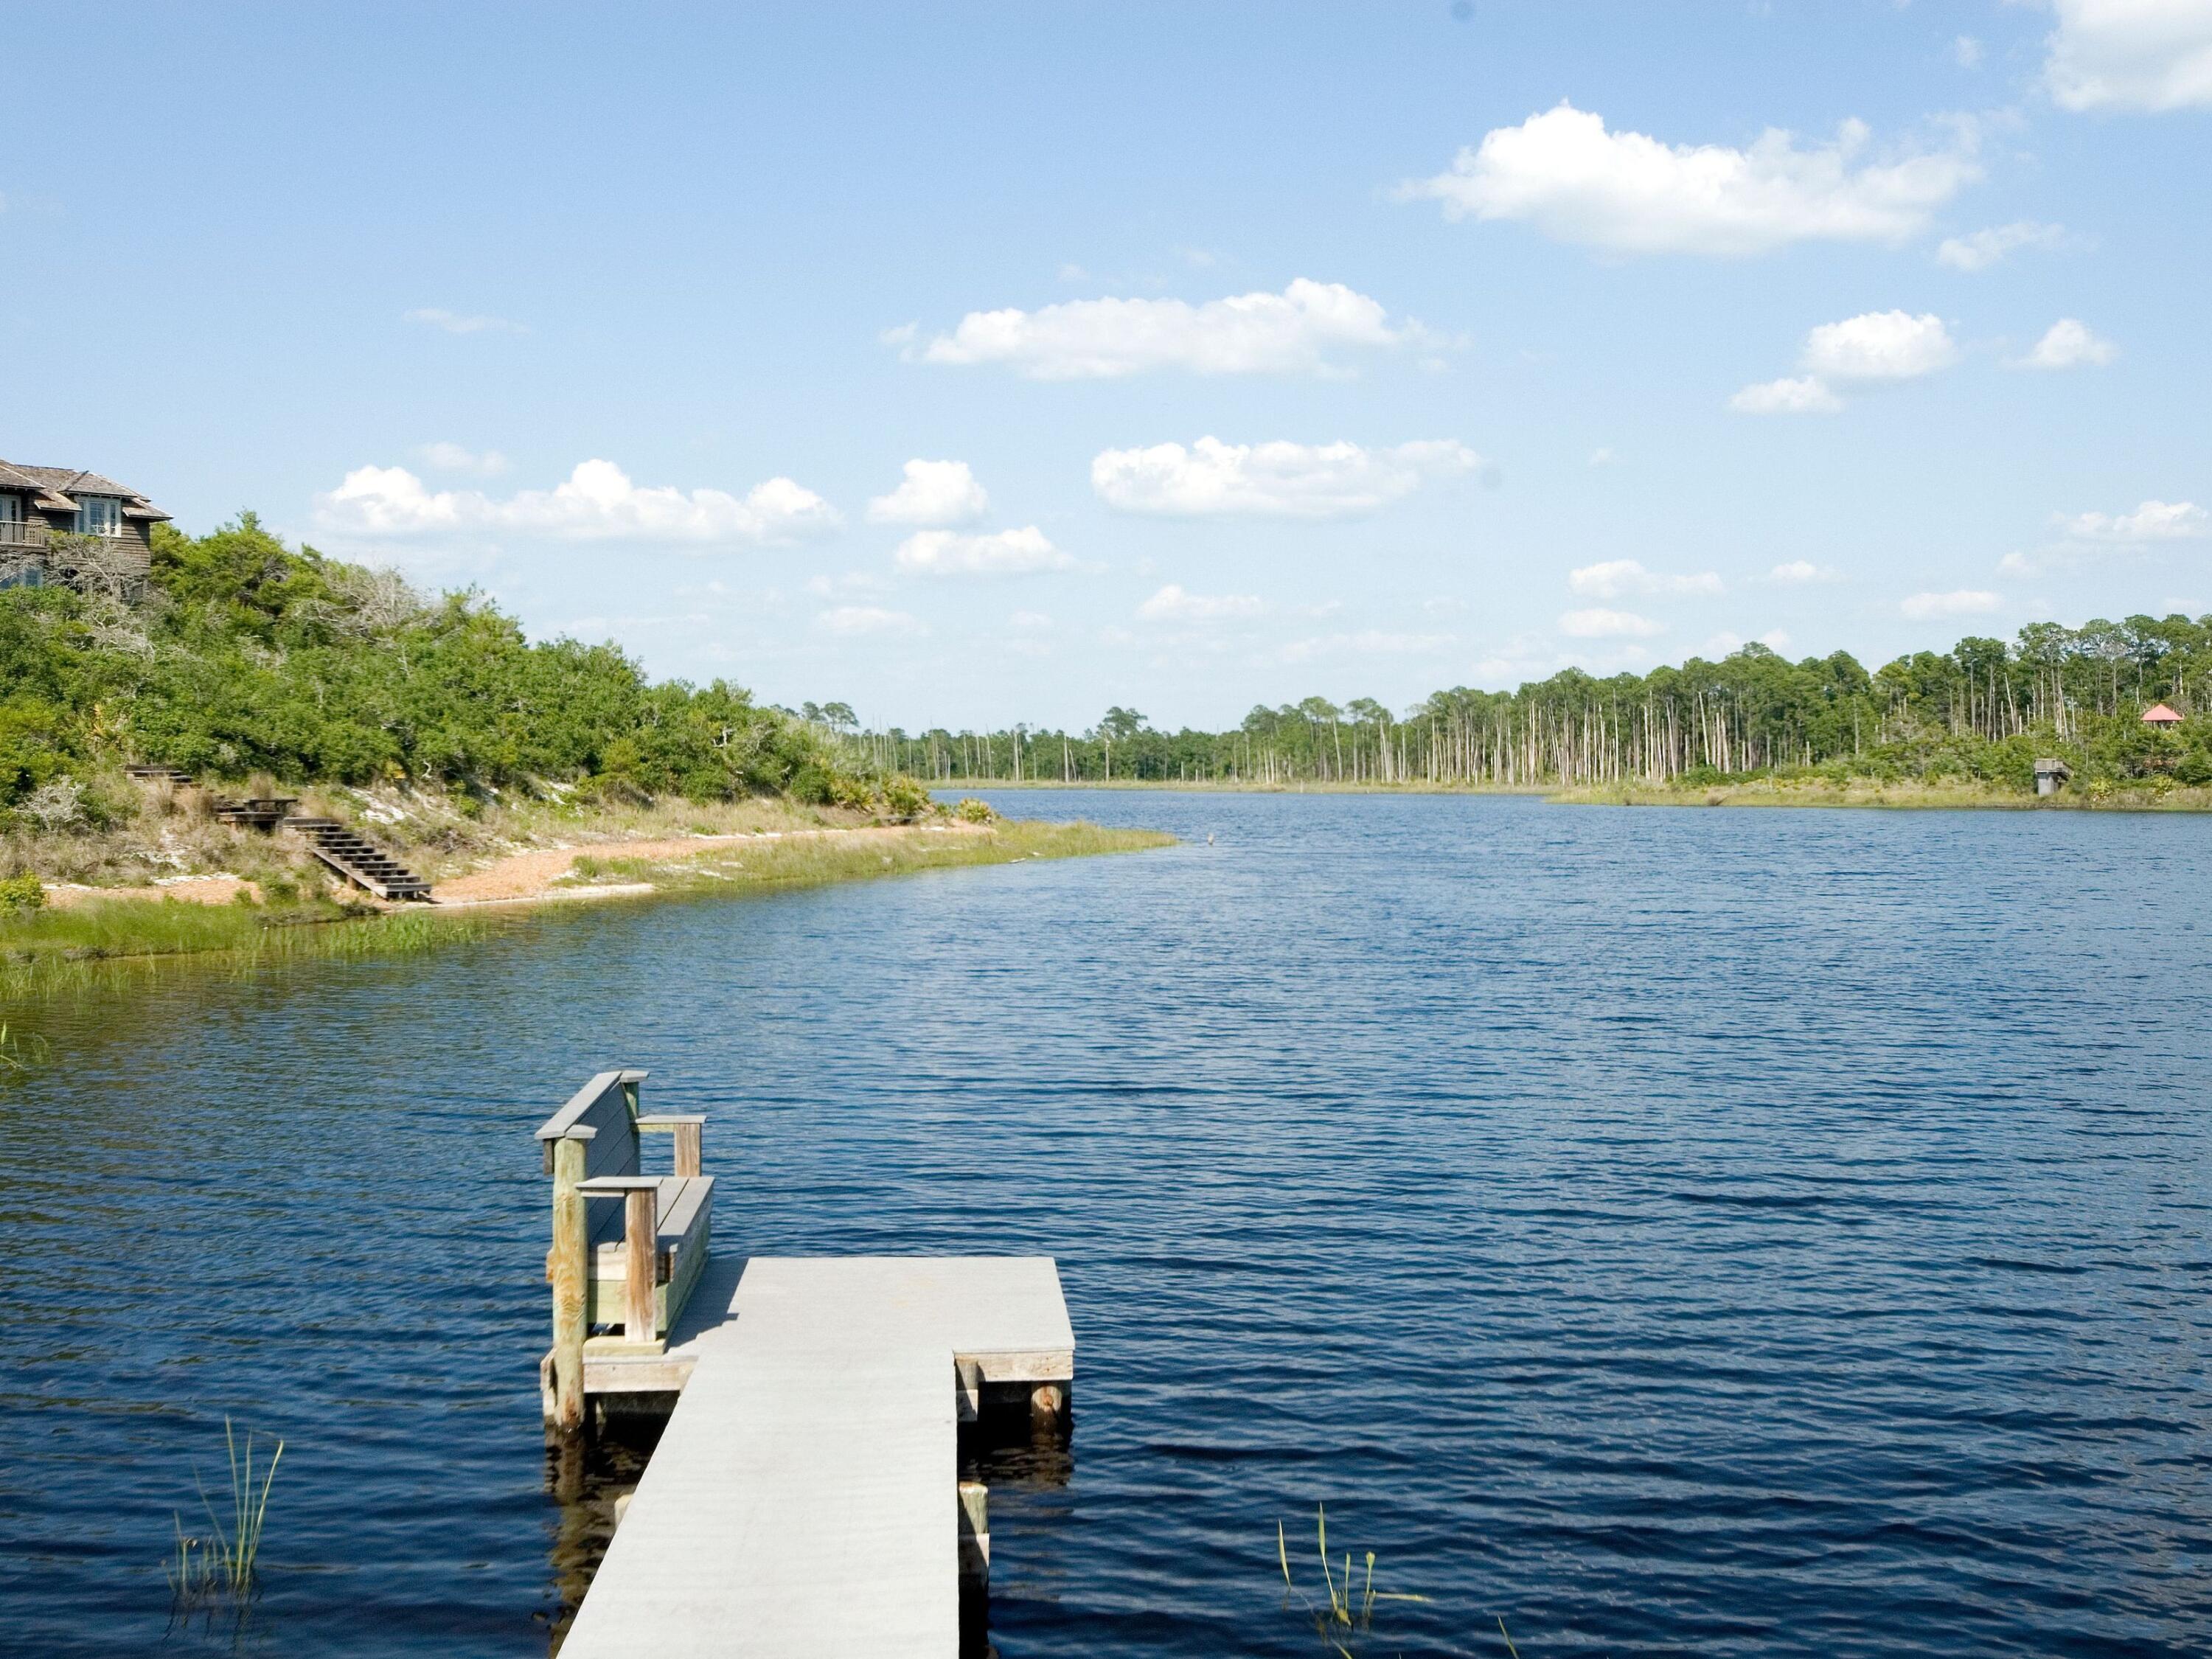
(538, 875)
(535, 875)
(185, 889)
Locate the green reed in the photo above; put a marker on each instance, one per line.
(227, 1562)
(1350, 1611)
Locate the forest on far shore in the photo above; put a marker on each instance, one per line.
(1980, 714)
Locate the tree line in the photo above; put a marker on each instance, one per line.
(236, 654)
(1983, 711)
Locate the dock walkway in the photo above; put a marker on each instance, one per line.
(803, 1496)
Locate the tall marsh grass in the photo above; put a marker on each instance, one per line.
(55, 947)
(227, 1562)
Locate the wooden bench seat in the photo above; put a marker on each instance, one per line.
(682, 1216)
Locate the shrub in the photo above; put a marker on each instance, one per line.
(811, 784)
(972, 811)
(21, 893)
(905, 798)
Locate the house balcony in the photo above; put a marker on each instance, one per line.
(29, 532)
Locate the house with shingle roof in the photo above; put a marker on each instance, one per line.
(40, 503)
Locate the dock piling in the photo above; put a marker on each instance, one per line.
(566, 1263)
(974, 1531)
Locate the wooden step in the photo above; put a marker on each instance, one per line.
(360, 860)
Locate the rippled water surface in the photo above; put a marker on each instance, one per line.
(1719, 1231)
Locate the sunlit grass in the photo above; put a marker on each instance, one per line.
(58, 948)
(814, 861)
(226, 1562)
(1902, 794)
(45, 948)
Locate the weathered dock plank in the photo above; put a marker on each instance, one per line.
(803, 1498)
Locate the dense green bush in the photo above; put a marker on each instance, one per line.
(243, 655)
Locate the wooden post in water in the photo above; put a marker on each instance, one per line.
(638, 1318)
(974, 1531)
(1046, 1401)
(567, 1264)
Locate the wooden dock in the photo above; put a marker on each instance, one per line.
(804, 1497)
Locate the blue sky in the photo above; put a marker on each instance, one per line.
(1244, 352)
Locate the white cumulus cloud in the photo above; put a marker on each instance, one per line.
(1212, 478)
(1615, 577)
(1172, 604)
(1984, 248)
(2130, 55)
(598, 501)
(1294, 332)
(1803, 394)
(932, 492)
(858, 621)
(2069, 343)
(1962, 602)
(1873, 347)
(1001, 553)
(1798, 571)
(1601, 624)
(2153, 521)
(1564, 174)
(1881, 345)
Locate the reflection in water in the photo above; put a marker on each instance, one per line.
(584, 1476)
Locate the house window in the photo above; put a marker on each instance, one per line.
(99, 515)
(11, 512)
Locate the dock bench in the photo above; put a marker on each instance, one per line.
(626, 1267)
(804, 1499)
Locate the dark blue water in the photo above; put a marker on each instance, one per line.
(1719, 1231)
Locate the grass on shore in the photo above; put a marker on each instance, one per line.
(813, 861)
(46, 948)
(50, 948)
(1905, 794)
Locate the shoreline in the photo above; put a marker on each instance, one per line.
(52, 949)
(1761, 793)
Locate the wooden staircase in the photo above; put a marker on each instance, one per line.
(360, 859)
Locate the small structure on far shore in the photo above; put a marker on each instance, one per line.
(2160, 715)
(2051, 773)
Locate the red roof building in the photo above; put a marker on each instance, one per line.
(2159, 714)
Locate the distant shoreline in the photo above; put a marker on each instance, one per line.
(1860, 793)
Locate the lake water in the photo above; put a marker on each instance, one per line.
(1720, 1231)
